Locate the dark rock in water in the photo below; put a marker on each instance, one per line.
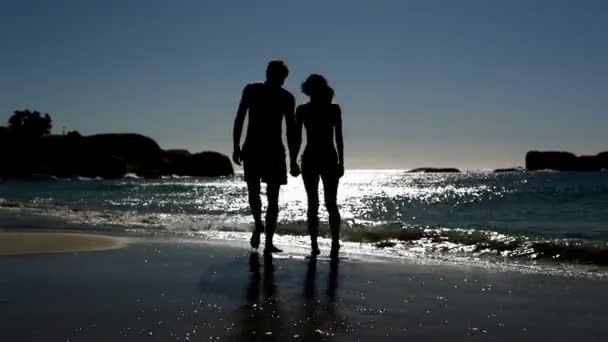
(178, 162)
(16, 154)
(204, 164)
(588, 163)
(101, 155)
(177, 153)
(603, 159)
(104, 166)
(565, 161)
(140, 154)
(435, 170)
(211, 164)
(105, 155)
(510, 169)
(550, 160)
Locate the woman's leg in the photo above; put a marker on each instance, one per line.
(330, 189)
(311, 184)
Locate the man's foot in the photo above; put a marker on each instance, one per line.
(314, 249)
(255, 240)
(271, 248)
(335, 249)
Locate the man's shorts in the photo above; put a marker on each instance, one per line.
(266, 168)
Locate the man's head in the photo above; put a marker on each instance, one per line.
(276, 72)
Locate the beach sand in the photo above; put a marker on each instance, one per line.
(20, 243)
(154, 290)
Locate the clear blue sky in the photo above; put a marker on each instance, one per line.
(471, 84)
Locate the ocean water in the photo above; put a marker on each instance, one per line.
(548, 218)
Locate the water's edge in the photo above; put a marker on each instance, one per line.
(390, 241)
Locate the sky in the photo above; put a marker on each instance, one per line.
(468, 84)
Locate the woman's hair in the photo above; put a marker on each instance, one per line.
(316, 86)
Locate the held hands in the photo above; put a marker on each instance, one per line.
(236, 155)
(294, 169)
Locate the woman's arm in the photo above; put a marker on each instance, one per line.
(339, 139)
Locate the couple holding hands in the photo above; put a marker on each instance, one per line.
(263, 154)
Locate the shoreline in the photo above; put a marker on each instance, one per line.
(90, 239)
(32, 243)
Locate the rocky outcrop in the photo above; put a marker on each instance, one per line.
(510, 169)
(204, 164)
(101, 155)
(178, 162)
(565, 161)
(603, 160)
(434, 170)
(140, 154)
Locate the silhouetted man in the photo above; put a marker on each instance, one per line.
(263, 153)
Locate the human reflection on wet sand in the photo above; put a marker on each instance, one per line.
(310, 280)
(253, 288)
(260, 317)
(268, 316)
(332, 285)
(320, 319)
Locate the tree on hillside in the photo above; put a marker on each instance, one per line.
(26, 122)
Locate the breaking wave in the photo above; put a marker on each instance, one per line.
(427, 240)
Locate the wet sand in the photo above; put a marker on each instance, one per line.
(21, 243)
(185, 291)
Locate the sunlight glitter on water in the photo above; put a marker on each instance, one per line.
(514, 215)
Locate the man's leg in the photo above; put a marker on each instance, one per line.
(255, 203)
(272, 214)
(311, 184)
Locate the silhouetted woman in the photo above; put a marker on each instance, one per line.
(320, 160)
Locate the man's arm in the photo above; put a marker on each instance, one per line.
(340, 139)
(238, 126)
(290, 127)
(296, 143)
